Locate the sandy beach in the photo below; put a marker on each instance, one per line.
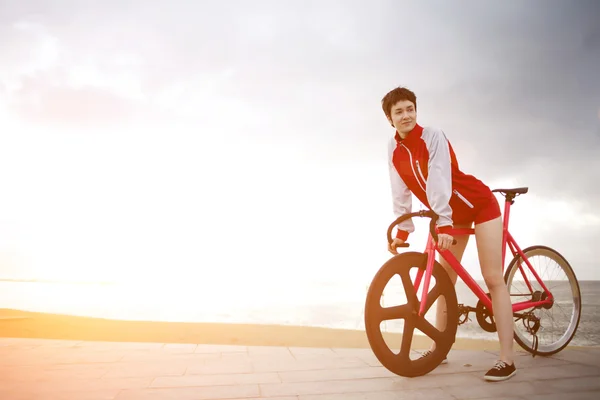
(24, 324)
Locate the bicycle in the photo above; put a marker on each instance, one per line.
(539, 299)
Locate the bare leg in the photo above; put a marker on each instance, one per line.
(457, 250)
(489, 247)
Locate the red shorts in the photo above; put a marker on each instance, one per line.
(483, 212)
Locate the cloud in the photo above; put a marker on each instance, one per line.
(524, 104)
(41, 101)
(514, 85)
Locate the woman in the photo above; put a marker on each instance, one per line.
(422, 162)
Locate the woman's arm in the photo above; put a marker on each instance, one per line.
(401, 196)
(439, 178)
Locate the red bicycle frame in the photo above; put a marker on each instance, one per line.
(507, 239)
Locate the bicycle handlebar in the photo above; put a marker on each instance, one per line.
(423, 213)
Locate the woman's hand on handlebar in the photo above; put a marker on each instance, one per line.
(394, 245)
(444, 241)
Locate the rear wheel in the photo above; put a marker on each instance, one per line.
(553, 325)
(401, 356)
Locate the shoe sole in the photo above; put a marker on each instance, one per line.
(499, 378)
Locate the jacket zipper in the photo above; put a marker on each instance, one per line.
(463, 198)
(420, 172)
(412, 167)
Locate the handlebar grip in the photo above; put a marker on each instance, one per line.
(429, 214)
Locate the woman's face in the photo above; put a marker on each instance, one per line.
(403, 116)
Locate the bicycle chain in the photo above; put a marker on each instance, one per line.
(532, 329)
(463, 313)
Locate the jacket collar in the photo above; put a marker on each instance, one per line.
(414, 134)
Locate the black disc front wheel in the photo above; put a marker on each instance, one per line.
(403, 358)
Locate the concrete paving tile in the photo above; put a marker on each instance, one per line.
(145, 369)
(98, 347)
(535, 373)
(195, 393)
(335, 374)
(19, 359)
(588, 358)
(70, 371)
(478, 362)
(81, 357)
(178, 357)
(268, 350)
(235, 357)
(351, 396)
(75, 349)
(568, 385)
(351, 351)
(216, 367)
(591, 350)
(179, 347)
(215, 380)
(465, 362)
(35, 394)
(259, 358)
(490, 389)
(370, 359)
(121, 383)
(445, 380)
(217, 348)
(526, 360)
(6, 348)
(63, 343)
(129, 346)
(300, 352)
(79, 385)
(505, 398)
(424, 394)
(306, 365)
(470, 354)
(269, 398)
(329, 387)
(594, 395)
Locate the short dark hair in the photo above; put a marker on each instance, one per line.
(396, 95)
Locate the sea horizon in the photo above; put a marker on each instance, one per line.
(338, 305)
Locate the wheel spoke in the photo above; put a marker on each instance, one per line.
(424, 326)
(396, 312)
(407, 337)
(409, 289)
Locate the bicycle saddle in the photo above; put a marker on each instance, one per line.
(521, 190)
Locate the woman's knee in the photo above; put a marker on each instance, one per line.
(493, 279)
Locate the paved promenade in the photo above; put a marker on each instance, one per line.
(39, 369)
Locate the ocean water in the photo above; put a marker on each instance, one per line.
(319, 304)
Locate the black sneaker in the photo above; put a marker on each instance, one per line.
(500, 371)
(428, 352)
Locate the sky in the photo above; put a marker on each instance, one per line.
(232, 140)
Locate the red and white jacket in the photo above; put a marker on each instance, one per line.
(424, 163)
